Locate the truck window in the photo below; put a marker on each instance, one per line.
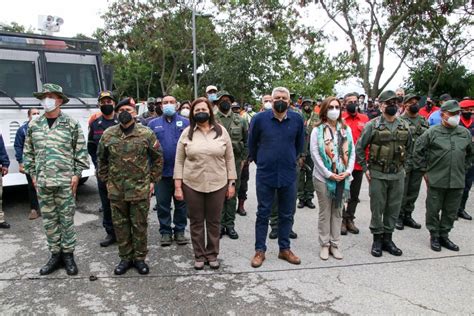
(76, 79)
(17, 78)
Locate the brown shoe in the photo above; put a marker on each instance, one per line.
(343, 227)
(258, 259)
(33, 215)
(289, 256)
(351, 227)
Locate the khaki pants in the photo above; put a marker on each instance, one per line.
(330, 217)
(2, 216)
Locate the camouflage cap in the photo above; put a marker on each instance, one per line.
(387, 95)
(51, 88)
(151, 100)
(410, 96)
(224, 93)
(451, 106)
(105, 94)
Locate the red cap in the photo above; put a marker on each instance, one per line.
(466, 103)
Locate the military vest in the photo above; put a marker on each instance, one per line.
(417, 128)
(234, 127)
(388, 149)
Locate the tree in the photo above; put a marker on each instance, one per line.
(16, 28)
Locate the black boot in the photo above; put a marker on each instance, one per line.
(377, 246)
(223, 231)
(410, 222)
(389, 245)
(52, 265)
(400, 225)
(434, 243)
(109, 240)
(301, 204)
(463, 214)
(293, 235)
(448, 244)
(241, 209)
(273, 234)
(122, 267)
(71, 267)
(141, 267)
(310, 204)
(4, 225)
(232, 233)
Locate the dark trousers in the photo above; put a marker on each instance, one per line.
(467, 188)
(305, 180)
(286, 197)
(244, 182)
(164, 193)
(106, 209)
(32, 195)
(205, 219)
(411, 190)
(349, 212)
(446, 202)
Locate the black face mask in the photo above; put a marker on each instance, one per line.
(201, 117)
(413, 108)
(307, 109)
(466, 115)
(280, 106)
(107, 109)
(151, 108)
(391, 110)
(428, 106)
(125, 117)
(351, 108)
(224, 107)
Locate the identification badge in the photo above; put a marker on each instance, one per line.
(179, 123)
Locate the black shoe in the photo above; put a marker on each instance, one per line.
(448, 244)
(434, 242)
(52, 265)
(377, 246)
(463, 214)
(273, 234)
(241, 212)
(223, 231)
(141, 267)
(389, 245)
(109, 240)
(101, 209)
(310, 204)
(4, 225)
(410, 222)
(232, 233)
(293, 235)
(399, 224)
(155, 208)
(301, 204)
(122, 267)
(71, 267)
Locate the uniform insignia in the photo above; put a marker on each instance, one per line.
(179, 123)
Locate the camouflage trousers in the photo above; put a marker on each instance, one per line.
(130, 220)
(2, 216)
(57, 207)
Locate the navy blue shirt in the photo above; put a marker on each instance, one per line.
(275, 147)
(20, 142)
(4, 161)
(168, 133)
(96, 129)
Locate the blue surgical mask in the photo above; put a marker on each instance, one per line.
(212, 97)
(169, 109)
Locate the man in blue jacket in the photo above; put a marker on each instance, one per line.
(5, 163)
(168, 129)
(276, 140)
(20, 136)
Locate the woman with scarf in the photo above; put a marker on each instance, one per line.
(332, 150)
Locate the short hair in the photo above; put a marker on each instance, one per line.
(280, 89)
(31, 109)
(351, 94)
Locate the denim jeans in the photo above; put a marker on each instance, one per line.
(286, 197)
(107, 211)
(164, 193)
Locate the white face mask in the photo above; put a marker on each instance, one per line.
(35, 117)
(333, 114)
(185, 112)
(453, 121)
(49, 104)
(249, 109)
(267, 105)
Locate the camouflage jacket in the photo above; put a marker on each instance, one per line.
(54, 155)
(129, 163)
(238, 128)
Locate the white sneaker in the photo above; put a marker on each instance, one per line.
(324, 253)
(336, 253)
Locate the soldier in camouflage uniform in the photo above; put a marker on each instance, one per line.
(55, 155)
(418, 125)
(237, 128)
(130, 162)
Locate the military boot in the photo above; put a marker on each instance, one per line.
(122, 267)
(389, 246)
(377, 246)
(241, 210)
(344, 227)
(410, 222)
(141, 266)
(400, 225)
(351, 227)
(71, 267)
(108, 240)
(52, 265)
(301, 203)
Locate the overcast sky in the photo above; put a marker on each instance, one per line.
(84, 17)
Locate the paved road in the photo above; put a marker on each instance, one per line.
(419, 282)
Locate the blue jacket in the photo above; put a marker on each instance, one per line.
(275, 147)
(435, 118)
(20, 142)
(4, 161)
(168, 134)
(96, 129)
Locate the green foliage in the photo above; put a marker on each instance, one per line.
(15, 27)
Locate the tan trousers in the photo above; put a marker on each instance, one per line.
(2, 216)
(330, 217)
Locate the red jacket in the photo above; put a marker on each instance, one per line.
(356, 123)
(425, 113)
